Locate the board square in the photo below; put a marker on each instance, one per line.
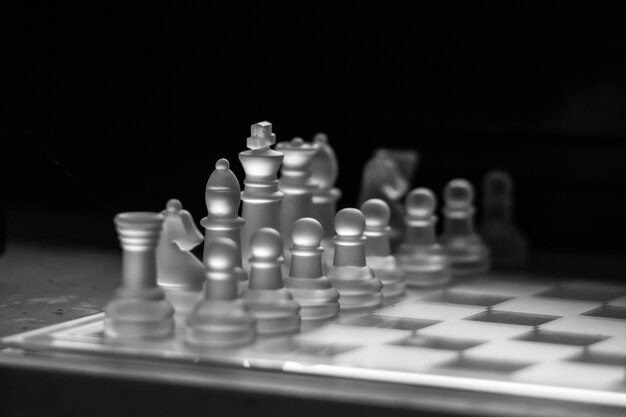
(560, 338)
(481, 366)
(583, 291)
(613, 346)
(474, 330)
(390, 322)
(397, 358)
(503, 288)
(546, 306)
(352, 335)
(608, 311)
(443, 343)
(520, 351)
(572, 374)
(465, 298)
(296, 347)
(599, 358)
(429, 311)
(508, 317)
(587, 325)
(619, 301)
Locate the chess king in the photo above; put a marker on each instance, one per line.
(260, 197)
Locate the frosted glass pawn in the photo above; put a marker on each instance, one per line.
(306, 281)
(220, 318)
(420, 255)
(468, 254)
(508, 246)
(222, 196)
(268, 300)
(177, 268)
(378, 249)
(324, 172)
(139, 309)
(356, 282)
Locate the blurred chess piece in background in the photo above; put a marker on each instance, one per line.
(508, 246)
(387, 176)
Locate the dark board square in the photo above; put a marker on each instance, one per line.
(480, 365)
(581, 293)
(466, 298)
(559, 338)
(442, 343)
(600, 358)
(510, 317)
(608, 311)
(391, 322)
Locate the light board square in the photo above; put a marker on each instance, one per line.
(547, 306)
(352, 335)
(572, 374)
(397, 358)
(430, 311)
(521, 351)
(474, 330)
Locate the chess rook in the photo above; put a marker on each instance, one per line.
(356, 283)
(260, 197)
(177, 268)
(306, 280)
(324, 172)
(378, 249)
(139, 309)
(222, 197)
(220, 318)
(295, 183)
(506, 243)
(468, 254)
(268, 300)
(419, 254)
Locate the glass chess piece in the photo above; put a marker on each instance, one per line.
(177, 268)
(306, 280)
(139, 309)
(384, 179)
(420, 255)
(324, 172)
(378, 249)
(271, 304)
(468, 254)
(222, 197)
(260, 197)
(507, 244)
(220, 318)
(356, 282)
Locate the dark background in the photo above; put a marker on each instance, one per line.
(121, 108)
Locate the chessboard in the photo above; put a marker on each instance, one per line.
(504, 334)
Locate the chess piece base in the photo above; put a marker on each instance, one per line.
(358, 287)
(220, 323)
(468, 255)
(316, 296)
(425, 265)
(507, 246)
(134, 318)
(390, 274)
(274, 310)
